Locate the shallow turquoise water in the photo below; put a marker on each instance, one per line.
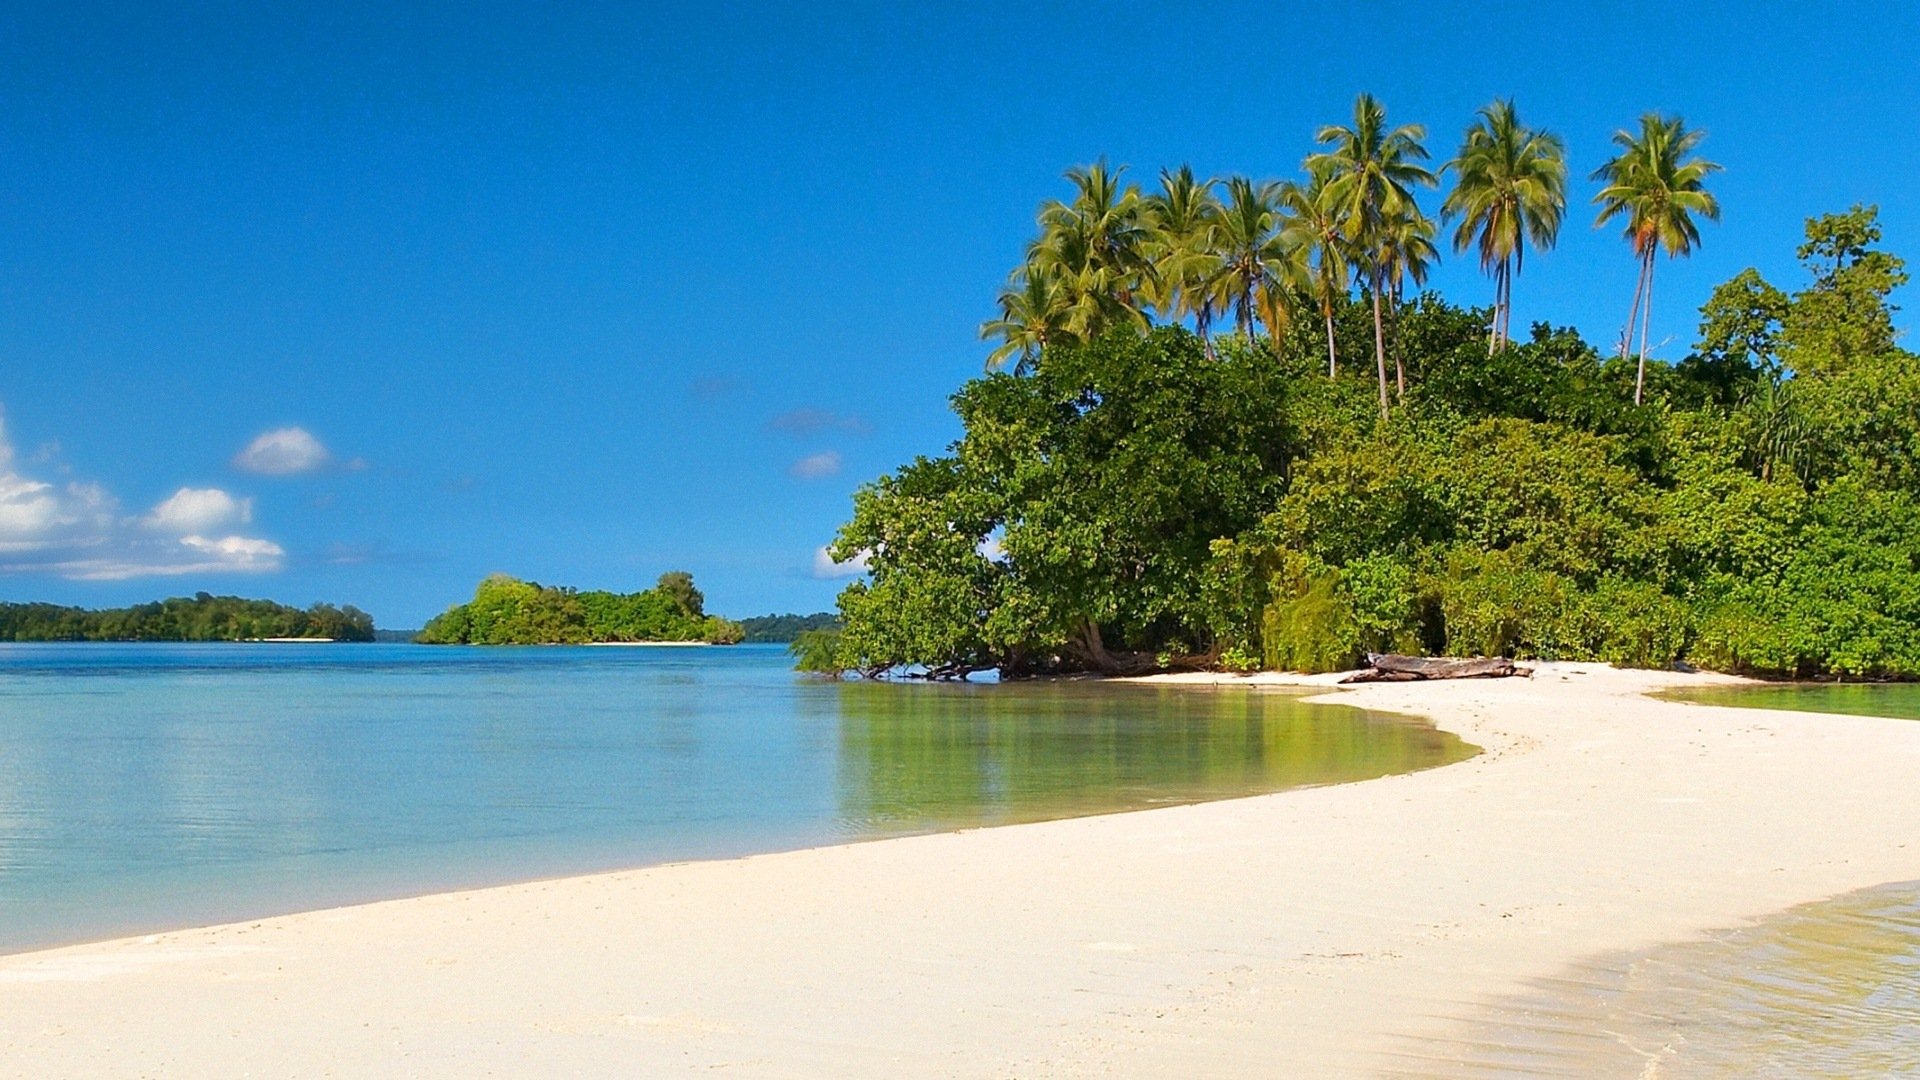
(1901, 701)
(149, 786)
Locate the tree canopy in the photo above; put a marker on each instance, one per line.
(1148, 499)
(201, 617)
(507, 611)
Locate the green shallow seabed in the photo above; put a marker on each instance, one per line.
(929, 757)
(1899, 701)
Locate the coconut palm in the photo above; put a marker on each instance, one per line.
(1510, 189)
(1404, 251)
(1094, 295)
(1033, 315)
(1313, 227)
(1374, 171)
(1097, 242)
(1258, 267)
(1657, 185)
(1183, 248)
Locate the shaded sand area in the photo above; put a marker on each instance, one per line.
(1346, 930)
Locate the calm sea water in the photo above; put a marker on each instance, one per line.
(150, 786)
(1900, 701)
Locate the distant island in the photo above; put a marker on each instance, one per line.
(783, 629)
(507, 611)
(201, 617)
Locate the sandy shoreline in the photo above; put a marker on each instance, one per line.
(1321, 932)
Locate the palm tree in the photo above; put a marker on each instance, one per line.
(1403, 249)
(1313, 228)
(1093, 295)
(1374, 171)
(1657, 185)
(1183, 247)
(1258, 265)
(1510, 189)
(1096, 242)
(1033, 315)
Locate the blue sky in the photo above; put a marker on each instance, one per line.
(361, 304)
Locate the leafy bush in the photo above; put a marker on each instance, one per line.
(817, 652)
(507, 611)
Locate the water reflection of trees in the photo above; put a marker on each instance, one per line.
(915, 756)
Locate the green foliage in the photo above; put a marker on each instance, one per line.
(781, 629)
(1843, 318)
(202, 617)
(1237, 660)
(817, 652)
(1740, 326)
(508, 611)
(1142, 502)
(1309, 625)
(1101, 479)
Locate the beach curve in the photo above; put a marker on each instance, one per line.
(1312, 932)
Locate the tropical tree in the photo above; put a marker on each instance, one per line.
(1313, 227)
(1096, 243)
(1510, 189)
(1183, 249)
(1033, 315)
(1374, 171)
(1258, 266)
(1657, 185)
(1403, 250)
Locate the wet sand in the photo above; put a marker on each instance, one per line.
(1336, 931)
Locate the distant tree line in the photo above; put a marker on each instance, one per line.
(202, 617)
(507, 611)
(782, 629)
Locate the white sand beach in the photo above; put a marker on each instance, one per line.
(1328, 932)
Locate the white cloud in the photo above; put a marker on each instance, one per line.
(188, 555)
(76, 531)
(824, 566)
(816, 466)
(238, 552)
(29, 509)
(196, 510)
(282, 452)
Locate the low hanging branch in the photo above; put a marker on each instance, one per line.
(1389, 667)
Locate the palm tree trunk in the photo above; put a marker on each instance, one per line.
(1332, 363)
(1380, 348)
(1506, 302)
(1399, 354)
(1203, 321)
(1496, 335)
(1493, 323)
(1646, 317)
(1639, 287)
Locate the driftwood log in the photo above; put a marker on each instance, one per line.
(1389, 667)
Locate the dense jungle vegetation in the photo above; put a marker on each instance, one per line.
(781, 629)
(1136, 493)
(201, 617)
(508, 611)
